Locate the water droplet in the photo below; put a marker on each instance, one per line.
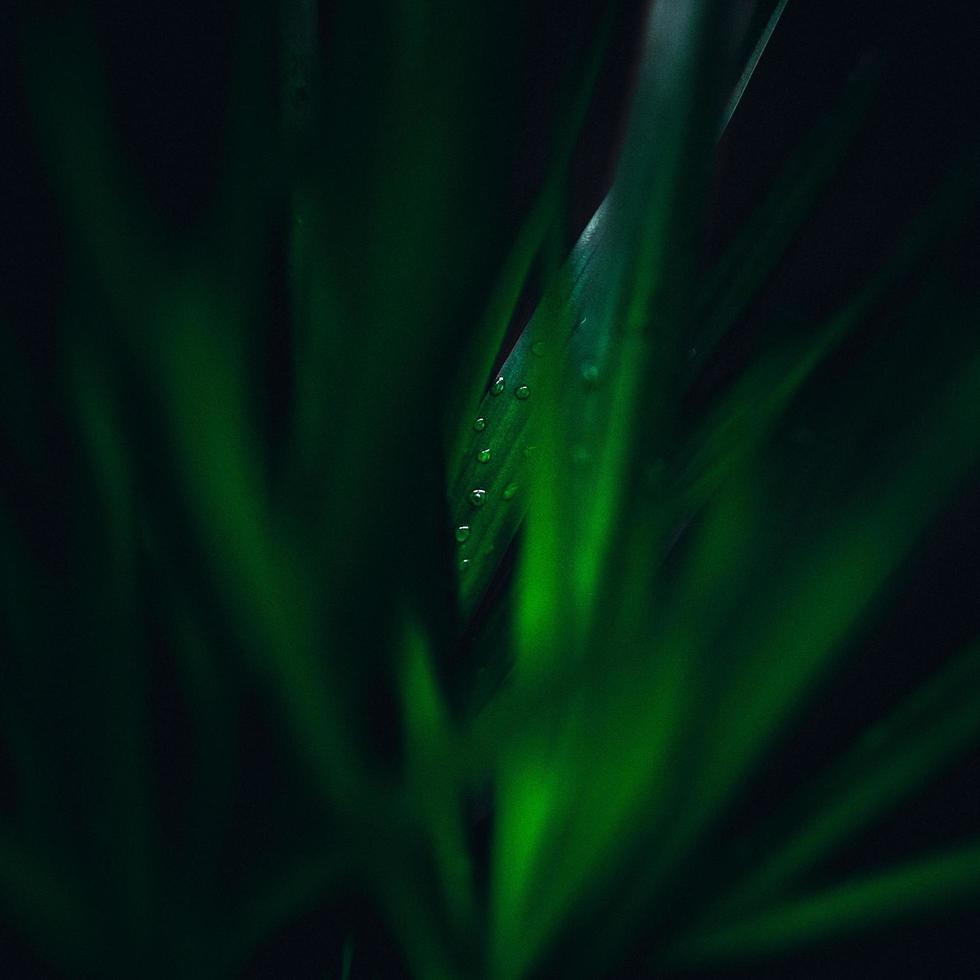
(498, 386)
(530, 451)
(462, 532)
(510, 490)
(484, 455)
(480, 424)
(522, 392)
(478, 497)
(537, 348)
(464, 564)
(590, 375)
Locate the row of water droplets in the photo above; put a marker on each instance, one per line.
(478, 496)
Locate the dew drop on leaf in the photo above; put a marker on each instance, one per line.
(464, 564)
(522, 392)
(478, 497)
(480, 424)
(509, 491)
(590, 374)
(462, 532)
(484, 455)
(537, 348)
(498, 386)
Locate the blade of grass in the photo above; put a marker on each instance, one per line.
(763, 239)
(483, 349)
(928, 885)
(753, 62)
(435, 776)
(47, 904)
(256, 918)
(112, 691)
(831, 583)
(556, 580)
(701, 602)
(891, 761)
(585, 345)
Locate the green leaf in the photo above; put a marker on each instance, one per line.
(895, 756)
(928, 885)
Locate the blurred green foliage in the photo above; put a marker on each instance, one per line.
(269, 653)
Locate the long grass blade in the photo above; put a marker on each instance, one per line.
(933, 884)
(893, 759)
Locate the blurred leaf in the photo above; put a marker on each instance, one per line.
(928, 885)
(568, 537)
(47, 903)
(915, 742)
